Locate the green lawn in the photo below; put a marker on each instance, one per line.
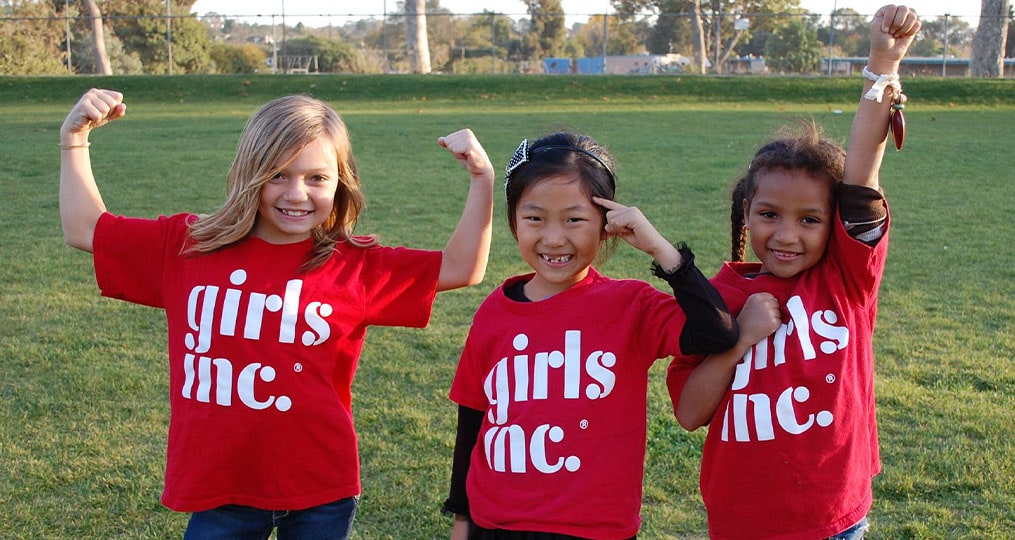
(83, 405)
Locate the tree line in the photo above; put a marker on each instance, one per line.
(42, 37)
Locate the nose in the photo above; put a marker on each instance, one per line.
(787, 234)
(296, 190)
(553, 236)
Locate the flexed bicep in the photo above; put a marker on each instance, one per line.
(80, 201)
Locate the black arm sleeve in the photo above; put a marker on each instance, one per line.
(863, 211)
(469, 423)
(710, 328)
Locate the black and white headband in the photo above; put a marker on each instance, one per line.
(522, 155)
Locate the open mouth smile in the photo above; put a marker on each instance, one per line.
(558, 259)
(784, 255)
(295, 213)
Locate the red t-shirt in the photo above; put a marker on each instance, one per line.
(261, 358)
(792, 448)
(563, 382)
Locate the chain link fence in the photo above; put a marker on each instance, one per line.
(471, 43)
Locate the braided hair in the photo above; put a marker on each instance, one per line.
(806, 150)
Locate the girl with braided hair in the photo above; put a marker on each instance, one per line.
(792, 442)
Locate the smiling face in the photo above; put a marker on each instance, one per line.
(301, 196)
(789, 218)
(559, 231)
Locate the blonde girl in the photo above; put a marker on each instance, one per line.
(267, 301)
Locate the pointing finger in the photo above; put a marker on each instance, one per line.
(608, 204)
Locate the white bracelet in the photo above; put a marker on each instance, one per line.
(888, 80)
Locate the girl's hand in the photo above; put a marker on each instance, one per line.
(892, 31)
(629, 223)
(95, 109)
(759, 318)
(469, 152)
(460, 531)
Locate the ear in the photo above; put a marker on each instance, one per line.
(747, 212)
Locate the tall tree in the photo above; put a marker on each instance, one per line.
(98, 38)
(935, 33)
(31, 49)
(1009, 46)
(142, 27)
(416, 36)
(547, 32)
(679, 24)
(847, 33)
(794, 48)
(713, 23)
(698, 36)
(671, 32)
(989, 42)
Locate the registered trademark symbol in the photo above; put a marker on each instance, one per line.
(584, 424)
(298, 367)
(830, 378)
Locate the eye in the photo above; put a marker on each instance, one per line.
(277, 179)
(811, 220)
(319, 179)
(768, 214)
(576, 219)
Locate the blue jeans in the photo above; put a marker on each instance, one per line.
(332, 521)
(853, 533)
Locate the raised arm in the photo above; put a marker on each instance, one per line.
(891, 32)
(80, 201)
(695, 403)
(629, 223)
(709, 327)
(468, 249)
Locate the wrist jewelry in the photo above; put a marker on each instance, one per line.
(896, 120)
(72, 146)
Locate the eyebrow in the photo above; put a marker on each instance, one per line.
(573, 208)
(776, 206)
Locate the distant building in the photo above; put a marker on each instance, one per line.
(921, 66)
(258, 40)
(641, 64)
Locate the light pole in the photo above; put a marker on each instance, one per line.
(384, 38)
(831, 35)
(718, 35)
(285, 59)
(66, 20)
(944, 54)
(606, 19)
(169, 36)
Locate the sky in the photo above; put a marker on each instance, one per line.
(577, 10)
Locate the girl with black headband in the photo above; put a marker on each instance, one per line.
(552, 381)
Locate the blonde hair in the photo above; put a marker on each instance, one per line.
(286, 124)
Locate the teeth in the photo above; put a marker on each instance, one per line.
(294, 213)
(557, 260)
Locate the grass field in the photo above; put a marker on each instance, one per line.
(83, 406)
